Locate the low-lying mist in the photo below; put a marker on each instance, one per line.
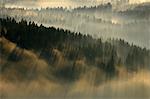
(28, 76)
(135, 86)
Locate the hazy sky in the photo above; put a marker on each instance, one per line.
(54, 3)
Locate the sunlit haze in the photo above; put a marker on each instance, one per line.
(60, 3)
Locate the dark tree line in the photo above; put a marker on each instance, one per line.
(74, 46)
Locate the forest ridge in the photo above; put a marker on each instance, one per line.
(80, 51)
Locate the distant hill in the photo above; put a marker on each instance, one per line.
(137, 11)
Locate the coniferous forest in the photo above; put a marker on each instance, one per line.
(49, 62)
(54, 44)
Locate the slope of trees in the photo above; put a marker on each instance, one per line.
(53, 43)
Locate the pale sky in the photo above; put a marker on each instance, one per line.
(58, 3)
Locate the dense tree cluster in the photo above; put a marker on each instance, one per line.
(74, 46)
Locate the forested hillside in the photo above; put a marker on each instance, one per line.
(68, 55)
(130, 23)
